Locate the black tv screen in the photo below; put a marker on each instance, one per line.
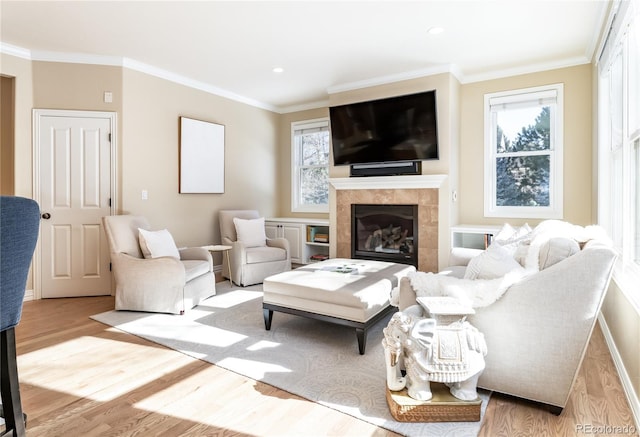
(395, 129)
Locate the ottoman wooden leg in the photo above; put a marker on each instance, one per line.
(268, 316)
(361, 334)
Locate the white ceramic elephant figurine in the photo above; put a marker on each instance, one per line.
(452, 354)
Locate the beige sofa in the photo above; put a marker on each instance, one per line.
(161, 285)
(538, 330)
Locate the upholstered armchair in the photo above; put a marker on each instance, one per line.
(19, 227)
(151, 273)
(539, 321)
(253, 256)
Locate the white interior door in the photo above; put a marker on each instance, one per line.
(74, 185)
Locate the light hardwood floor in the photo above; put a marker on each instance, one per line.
(82, 378)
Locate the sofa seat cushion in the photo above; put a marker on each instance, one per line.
(265, 254)
(194, 268)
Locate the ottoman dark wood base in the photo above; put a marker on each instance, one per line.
(361, 328)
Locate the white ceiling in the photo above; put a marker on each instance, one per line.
(324, 46)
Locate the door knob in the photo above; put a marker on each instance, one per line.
(46, 216)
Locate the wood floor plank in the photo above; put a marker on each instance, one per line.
(80, 377)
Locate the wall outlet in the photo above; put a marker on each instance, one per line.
(145, 195)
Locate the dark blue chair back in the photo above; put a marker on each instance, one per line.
(19, 226)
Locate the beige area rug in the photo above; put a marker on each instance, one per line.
(309, 358)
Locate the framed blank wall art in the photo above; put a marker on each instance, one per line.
(201, 156)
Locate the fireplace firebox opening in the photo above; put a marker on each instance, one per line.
(385, 233)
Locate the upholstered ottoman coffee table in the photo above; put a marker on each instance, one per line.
(348, 292)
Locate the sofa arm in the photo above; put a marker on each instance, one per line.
(460, 256)
(406, 294)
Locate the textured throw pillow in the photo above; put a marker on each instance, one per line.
(495, 262)
(251, 232)
(155, 244)
(557, 249)
(514, 240)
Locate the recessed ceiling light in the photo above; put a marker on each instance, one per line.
(435, 30)
(278, 70)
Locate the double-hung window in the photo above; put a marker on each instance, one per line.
(523, 153)
(619, 140)
(310, 166)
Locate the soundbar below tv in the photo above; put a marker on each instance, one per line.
(388, 169)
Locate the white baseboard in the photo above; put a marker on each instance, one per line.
(28, 295)
(632, 396)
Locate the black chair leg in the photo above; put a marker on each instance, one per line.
(9, 384)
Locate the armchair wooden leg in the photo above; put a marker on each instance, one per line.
(9, 385)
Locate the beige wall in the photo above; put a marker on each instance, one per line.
(577, 142)
(150, 148)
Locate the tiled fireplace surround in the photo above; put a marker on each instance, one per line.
(388, 190)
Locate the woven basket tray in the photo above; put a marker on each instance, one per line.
(443, 407)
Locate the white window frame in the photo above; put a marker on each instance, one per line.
(515, 97)
(296, 206)
(618, 174)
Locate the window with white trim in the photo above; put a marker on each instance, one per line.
(523, 153)
(619, 136)
(310, 165)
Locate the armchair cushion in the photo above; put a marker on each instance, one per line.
(251, 232)
(265, 254)
(155, 244)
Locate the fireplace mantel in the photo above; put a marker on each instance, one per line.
(388, 182)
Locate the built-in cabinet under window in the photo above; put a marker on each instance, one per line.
(308, 238)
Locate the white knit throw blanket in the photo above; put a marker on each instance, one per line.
(475, 292)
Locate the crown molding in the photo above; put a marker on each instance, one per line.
(392, 78)
(304, 107)
(533, 68)
(75, 58)
(19, 52)
(132, 64)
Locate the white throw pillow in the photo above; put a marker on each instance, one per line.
(515, 240)
(556, 250)
(156, 244)
(495, 262)
(251, 232)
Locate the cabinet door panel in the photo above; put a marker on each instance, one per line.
(293, 233)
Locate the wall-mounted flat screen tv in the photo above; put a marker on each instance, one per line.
(402, 128)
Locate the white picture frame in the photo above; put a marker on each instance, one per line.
(201, 156)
